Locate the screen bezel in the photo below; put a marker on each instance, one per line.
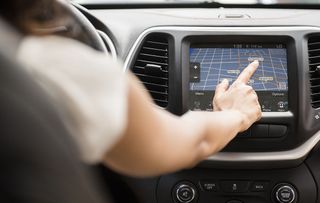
(288, 41)
(238, 45)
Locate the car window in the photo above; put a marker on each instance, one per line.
(202, 1)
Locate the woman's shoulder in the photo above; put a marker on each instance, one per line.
(55, 50)
(88, 87)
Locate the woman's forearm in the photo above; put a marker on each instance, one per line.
(157, 142)
(220, 129)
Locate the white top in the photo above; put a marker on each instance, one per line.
(87, 86)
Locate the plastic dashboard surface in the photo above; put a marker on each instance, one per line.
(287, 159)
(186, 26)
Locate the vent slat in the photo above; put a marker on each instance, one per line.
(160, 100)
(313, 50)
(151, 67)
(154, 84)
(157, 92)
(315, 79)
(314, 62)
(149, 76)
(154, 49)
(313, 43)
(157, 56)
(157, 42)
(155, 89)
(315, 103)
(139, 67)
(148, 61)
(315, 86)
(142, 68)
(313, 57)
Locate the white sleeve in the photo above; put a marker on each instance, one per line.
(88, 88)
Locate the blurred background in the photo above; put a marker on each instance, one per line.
(220, 1)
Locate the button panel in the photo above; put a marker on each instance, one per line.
(185, 193)
(285, 193)
(245, 134)
(264, 131)
(235, 186)
(259, 186)
(277, 130)
(233, 191)
(209, 185)
(260, 130)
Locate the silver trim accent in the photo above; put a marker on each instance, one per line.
(289, 155)
(289, 188)
(106, 39)
(237, 157)
(185, 186)
(215, 30)
(287, 114)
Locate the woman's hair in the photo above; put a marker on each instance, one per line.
(34, 16)
(42, 17)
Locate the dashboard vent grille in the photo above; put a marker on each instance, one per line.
(314, 65)
(151, 67)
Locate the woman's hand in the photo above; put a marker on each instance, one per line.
(239, 97)
(156, 142)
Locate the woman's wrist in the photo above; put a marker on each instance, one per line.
(240, 120)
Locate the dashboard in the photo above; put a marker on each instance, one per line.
(180, 55)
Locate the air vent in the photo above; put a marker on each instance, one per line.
(314, 63)
(151, 67)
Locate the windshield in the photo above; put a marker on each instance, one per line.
(200, 1)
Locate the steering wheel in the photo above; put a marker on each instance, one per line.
(82, 25)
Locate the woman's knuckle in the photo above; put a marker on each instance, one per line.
(248, 89)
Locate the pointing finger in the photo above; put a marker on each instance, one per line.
(247, 73)
(222, 87)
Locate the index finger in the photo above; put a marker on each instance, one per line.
(247, 73)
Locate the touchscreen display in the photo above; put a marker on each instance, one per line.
(210, 64)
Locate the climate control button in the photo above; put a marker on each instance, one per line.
(285, 193)
(185, 193)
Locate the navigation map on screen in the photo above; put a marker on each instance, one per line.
(217, 64)
(210, 65)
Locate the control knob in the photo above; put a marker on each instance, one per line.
(285, 193)
(185, 193)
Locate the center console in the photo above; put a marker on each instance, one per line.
(234, 186)
(266, 163)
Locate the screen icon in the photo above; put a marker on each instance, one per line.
(194, 72)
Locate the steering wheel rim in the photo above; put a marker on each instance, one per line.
(93, 39)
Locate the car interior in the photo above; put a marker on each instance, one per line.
(180, 50)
